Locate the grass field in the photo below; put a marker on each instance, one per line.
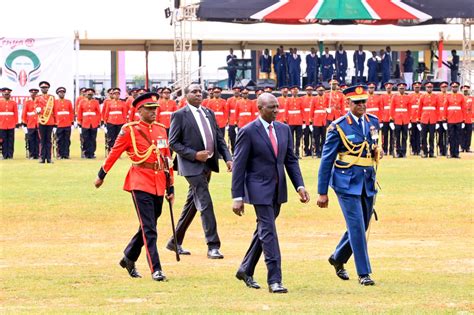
(61, 240)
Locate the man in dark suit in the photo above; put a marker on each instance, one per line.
(264, 149)
(197, 141)
(265, 63)
(231, 69)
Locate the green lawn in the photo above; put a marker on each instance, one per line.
(61, 240)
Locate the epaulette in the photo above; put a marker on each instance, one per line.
(341, 119)
(159, 124)
(132, 123)
(371, 116)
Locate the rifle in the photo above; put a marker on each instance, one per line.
(81, 142)
(27, 146)
(168, 185)
(55, 145)
(106, 141)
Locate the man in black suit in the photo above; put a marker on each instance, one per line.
(264, 149)
(197, 141)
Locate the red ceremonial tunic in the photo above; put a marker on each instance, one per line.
(282, 105)
(318, 111)
(469, 104)
(442, 101)
(455, 108)
(428, 112)
(219, 107)
(42, 102)
(114, 112)
(63, 112)
(163, 113)
(147, 179)
(334, 102)
(231, 102)
(307, 102)
(88, 114)
(8, 114)
(29, 116)
(400, 110)
(386, 101)
(294, 111)
(374, 106)
(244, 112)
(415, 100)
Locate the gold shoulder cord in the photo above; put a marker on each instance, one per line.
(48, 110)
(354, 149)
(142, 155)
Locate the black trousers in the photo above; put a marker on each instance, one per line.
(454, 132)
(63, 135)
(265, 239)
(148, 209)
(466, 138)
(296, 133)
(199, 199)
(45, 132)
(33, 142)
(442, 140)
(401, 134)
(112, 133)
(89, 136)
(232, 137)
(415, 139)
(319, 135)
(7, 137)
(428, 130)
(307, 140)
(387, 138)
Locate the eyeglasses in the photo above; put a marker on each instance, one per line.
(359, 102)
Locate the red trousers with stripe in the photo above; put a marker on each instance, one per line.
(148, 209)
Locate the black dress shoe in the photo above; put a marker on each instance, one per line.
(158, 276)
(432, 156)
(340, 271)
(249, 281)
(277, 288)
(214, 254)
(181, 251)
(130, 266)
(49, 161)
(365, 280)
(42, 161)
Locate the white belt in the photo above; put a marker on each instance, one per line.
(88, 114)
(281, 110)
(232, 111)
(386, 107)
(31, 113)
(115, 112)
(373, 109)
(429, 108)
(63, 113)
(244, 114)
(166, 113)
(414, 106)
(441, 108)
(6, 113)
(218, 113)
(294, 111)
(401, 109)
(320, 111)
(454, 107)
(306, 109)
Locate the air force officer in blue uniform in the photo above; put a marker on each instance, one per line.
(264, 149)
(348, 163)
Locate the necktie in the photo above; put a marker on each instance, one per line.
(361, 121)
(273, 140)
(207, 134)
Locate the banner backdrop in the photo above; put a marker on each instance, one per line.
(25, 62)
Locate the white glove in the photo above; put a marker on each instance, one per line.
(25, 130)
(445, 126)
(380, 125)
(80, 130)
(54, 130)
(418, 126)
(392, 126)
(72, 128)
(311, 128)
(409, 125)
(236, 130)
(75, 124)
(38, 110)
(304, 126)
(436, 126)
(463, 125)
(105, 129)
(328, 110)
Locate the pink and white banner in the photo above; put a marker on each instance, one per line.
(24, 62)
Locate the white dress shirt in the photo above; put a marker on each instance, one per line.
(356, 119)
(194, 110)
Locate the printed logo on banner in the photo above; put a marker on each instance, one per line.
(22, 66)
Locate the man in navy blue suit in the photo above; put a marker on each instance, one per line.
(264, 149)
(265, 63)
(294, 68)
(312, 67)
(347, 164)
(359, 59)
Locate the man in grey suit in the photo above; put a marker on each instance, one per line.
(197, 141)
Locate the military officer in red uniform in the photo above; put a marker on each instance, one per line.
(400, 113)
(64, 114)
(114, 115)
(455, 110)
(282, 104)
(166, 108)
(467, 131)
(210, 95)
(219, 106)
(307, 128)
(133, 95)
(295, 119)
(258, 92)
(88, 117)
(146, 144)
(29, 118)
(442, 125)
(428, 113)
(8, 121)
(231, 104)
(47, 121)
(317, 120)
(334, 103)
(388, 128)
(244, 111)
(414, 126)
(82, 95)
(374, 105)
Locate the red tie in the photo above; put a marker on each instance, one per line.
(273, 140)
